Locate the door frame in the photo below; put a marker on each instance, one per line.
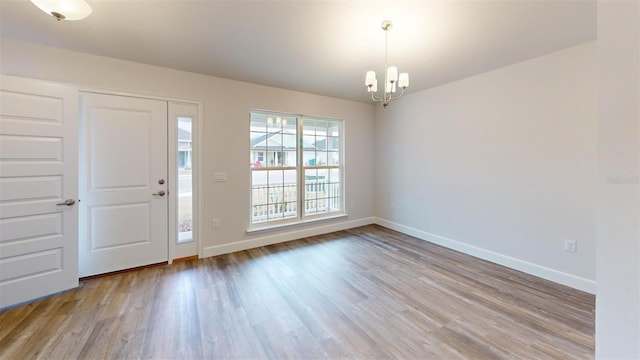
(176, 251)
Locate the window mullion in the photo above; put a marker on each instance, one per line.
(300, 156)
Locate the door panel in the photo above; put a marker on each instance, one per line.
(27, 148)
(130, 130)
(38, 170)
(118, 225)
(123, 155)
(30, 227)
(31, 188)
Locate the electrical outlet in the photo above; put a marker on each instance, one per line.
(393, 205)
(215, 223)
(570, 245)
(353, 204)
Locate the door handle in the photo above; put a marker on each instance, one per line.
(159, 193)
(68, 202)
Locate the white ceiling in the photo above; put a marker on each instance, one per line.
(312, 46)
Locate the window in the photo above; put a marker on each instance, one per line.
(185, 179)
(321, 165)
(296, 168)
(184, 203)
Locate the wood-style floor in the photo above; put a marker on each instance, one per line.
(366, 293)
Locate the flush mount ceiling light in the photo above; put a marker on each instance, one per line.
(64, 9)
(392, 80)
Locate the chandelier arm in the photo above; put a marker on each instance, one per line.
(375, 98)
(397, 97)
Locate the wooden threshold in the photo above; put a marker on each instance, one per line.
(137, 268)
(186, 258)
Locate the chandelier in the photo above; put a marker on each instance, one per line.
(392, 80)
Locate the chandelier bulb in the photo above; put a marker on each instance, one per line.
(369, 79)
(403, 80)
(392, 73)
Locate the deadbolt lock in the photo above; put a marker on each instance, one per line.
(161, 181)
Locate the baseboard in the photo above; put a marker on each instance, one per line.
(286, 236)
(556, 276)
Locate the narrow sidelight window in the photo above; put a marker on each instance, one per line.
(185, 179)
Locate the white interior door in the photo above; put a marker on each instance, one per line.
(123, 183)
(38, 172)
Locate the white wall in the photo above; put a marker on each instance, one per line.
(226, 138)
(502, 165)
(618, 261)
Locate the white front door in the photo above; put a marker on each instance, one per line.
(38, 189)
(123, 183)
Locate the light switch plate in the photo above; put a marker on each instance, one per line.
(219, 177)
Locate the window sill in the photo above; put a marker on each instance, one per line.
(294, 224)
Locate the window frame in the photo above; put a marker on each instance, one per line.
(301, 216)
(184, 237)
(192, 110)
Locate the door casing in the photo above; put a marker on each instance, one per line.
(194, 109)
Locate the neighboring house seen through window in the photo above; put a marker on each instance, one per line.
(296, 168)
